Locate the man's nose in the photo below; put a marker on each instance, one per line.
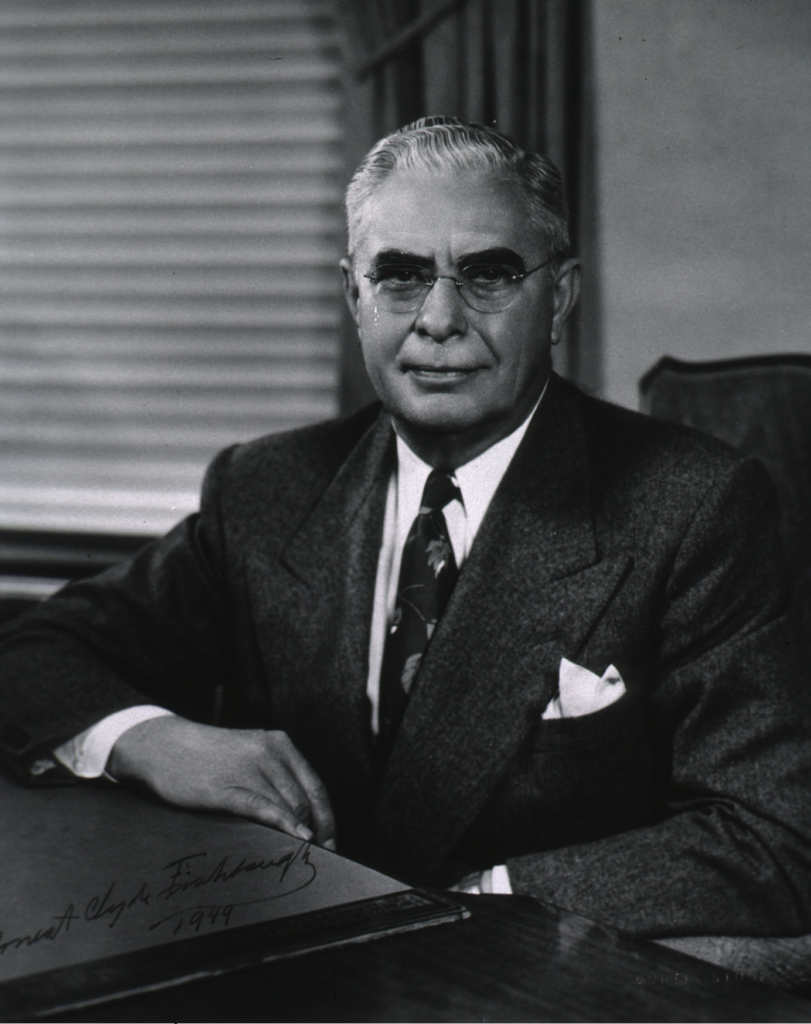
(444, 313)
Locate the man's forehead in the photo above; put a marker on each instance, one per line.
(445, 214)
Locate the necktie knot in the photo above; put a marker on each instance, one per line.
(439, 491)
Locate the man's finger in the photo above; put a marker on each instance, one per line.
(282, 779)
(471, 884)
(266, 810)
(321, 817)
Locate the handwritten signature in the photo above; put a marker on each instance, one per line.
(185, 874)
(63, 920)
(183, 879)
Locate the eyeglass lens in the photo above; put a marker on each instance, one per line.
(488, 288)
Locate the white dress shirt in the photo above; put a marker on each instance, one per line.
(477, 481)
(86, 754)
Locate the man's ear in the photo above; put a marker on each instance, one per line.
(567, 289)
(351, 290)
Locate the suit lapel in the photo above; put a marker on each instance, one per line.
(527, 596)
(335, 553)
(318, 546)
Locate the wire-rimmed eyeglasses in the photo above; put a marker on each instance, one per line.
(485, 287)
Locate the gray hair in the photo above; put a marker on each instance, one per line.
(450, 144)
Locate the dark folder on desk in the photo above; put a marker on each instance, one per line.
(104, 892)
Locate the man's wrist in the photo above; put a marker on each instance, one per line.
(87, 754)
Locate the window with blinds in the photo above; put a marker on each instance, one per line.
(170, 228)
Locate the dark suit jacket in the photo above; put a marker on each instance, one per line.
(684, 807)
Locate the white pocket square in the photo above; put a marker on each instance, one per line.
(581, 692)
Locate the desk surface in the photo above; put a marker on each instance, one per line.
(514, 959)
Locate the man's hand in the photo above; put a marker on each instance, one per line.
(476, 883)
(255, 774)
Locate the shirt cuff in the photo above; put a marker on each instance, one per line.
(86, 754)
(500, 881)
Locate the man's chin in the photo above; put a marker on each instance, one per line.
(437, 418)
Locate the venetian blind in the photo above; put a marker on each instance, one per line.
(169, 234)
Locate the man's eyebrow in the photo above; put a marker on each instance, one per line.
(500, 254)
(398, 258)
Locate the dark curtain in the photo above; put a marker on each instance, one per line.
(522, 66)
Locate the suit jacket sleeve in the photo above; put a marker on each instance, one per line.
(153, 630)
(729, 709)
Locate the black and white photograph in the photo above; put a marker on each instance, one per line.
(405, 510)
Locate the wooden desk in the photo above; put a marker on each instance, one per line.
(514, 959)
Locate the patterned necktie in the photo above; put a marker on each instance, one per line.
(427, 576)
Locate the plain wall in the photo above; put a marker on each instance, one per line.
(703, 137)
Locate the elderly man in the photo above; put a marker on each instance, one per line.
(494, 629)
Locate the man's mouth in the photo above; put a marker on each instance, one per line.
(441, 373)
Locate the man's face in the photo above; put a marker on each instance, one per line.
(446, 368)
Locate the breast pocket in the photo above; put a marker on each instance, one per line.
(596, 772)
